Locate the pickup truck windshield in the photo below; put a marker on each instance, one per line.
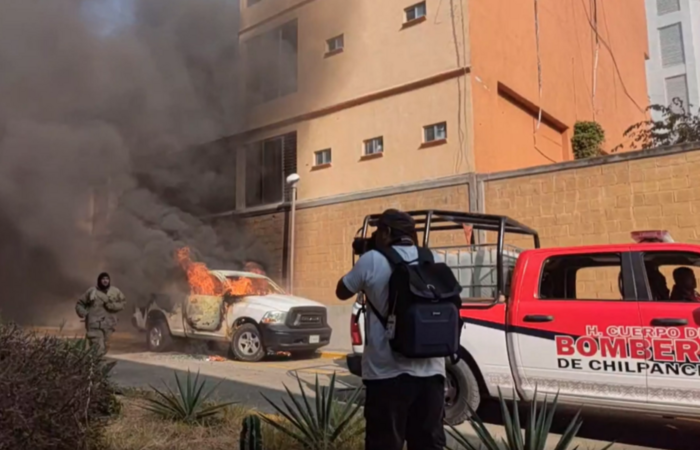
(252, 286)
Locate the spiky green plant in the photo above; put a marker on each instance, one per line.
(251, 435)
(188, 404)
(539, 424)
(325, 425)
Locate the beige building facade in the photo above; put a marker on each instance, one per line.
(360, 84)
(407, 104)
(360, 95)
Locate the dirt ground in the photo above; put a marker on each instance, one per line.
(244, 382)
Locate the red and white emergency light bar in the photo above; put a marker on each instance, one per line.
(652, 236)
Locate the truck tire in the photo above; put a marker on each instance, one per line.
(247, 344)
(461, 392)
(158, 338)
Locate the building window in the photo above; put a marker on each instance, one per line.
(272, 68)
(322, 157)
(264, 177)
(671, 38)
(336, 44)
(374, 146)
(667, 6)
(267, 165)
(677, 87)
(436, 132)
(415, 12)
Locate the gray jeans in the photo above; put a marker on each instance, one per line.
(100, 338)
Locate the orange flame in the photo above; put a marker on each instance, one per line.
(201, 282)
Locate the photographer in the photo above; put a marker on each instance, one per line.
(404, 397)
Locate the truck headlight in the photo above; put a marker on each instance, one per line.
(274, 317)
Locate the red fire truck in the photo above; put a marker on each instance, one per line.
(605, 325)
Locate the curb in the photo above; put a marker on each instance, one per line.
(76, 332)
(333, 354)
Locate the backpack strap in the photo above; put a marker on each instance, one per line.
(391, 255)
(382, 319)
(425, 255)
(394, 260)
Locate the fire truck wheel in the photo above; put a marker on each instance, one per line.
(247, 344)
(158, 338)
(461, 392)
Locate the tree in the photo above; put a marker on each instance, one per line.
(677, 125)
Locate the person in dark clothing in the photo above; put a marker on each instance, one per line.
(685, 285)
(98, 307)
(405, 398)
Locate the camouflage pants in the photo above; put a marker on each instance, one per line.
(99, 338)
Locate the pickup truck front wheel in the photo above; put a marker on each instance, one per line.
(247, 344)
(461, 392)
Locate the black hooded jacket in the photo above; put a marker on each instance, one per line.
(99, 305)
(99, 285)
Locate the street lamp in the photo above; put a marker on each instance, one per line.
(292, 181)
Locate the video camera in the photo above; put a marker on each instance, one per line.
(362, 245)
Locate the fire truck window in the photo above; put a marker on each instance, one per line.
(660, 267)
(581, 277)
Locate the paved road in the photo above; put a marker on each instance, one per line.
(244, 382)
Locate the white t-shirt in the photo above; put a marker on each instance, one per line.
(371, 274)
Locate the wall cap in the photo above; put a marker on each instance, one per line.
(405, 188)
(592, 162)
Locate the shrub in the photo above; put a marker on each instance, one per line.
(56, 394)
(328, 424)
(674, 124)
(189, 404)
(587, 140)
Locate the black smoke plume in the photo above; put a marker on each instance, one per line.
(104, 106)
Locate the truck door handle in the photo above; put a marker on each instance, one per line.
(538, 319)
(669, 322)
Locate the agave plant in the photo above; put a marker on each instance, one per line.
(325, 425)
(188, 404)
(539, 424)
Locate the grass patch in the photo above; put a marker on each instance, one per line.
(135, 429)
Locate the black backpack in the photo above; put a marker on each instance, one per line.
(423, 316)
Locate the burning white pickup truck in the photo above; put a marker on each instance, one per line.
(244, 310)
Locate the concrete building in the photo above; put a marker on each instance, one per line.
(400, 103)
(674, 51)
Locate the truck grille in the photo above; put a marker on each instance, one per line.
(307, 317)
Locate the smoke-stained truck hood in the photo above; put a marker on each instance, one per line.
(280, 302)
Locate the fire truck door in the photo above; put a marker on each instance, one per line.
(670, 313)
(565, 326)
